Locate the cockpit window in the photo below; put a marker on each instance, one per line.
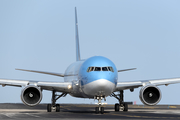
(97, 69)
(90, 69)
(100, 69)
(111, 69)
(104, 69)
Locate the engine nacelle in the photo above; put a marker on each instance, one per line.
(150, 95)
(31, 95)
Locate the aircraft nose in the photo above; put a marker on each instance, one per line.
(100, 87)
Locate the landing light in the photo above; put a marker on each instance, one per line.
(69, 86)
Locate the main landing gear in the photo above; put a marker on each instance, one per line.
(121, 105)
(100, 108)
(53, 105)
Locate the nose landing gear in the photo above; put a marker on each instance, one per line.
(100, 108)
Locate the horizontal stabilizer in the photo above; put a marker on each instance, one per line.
(49, 73)
(126, 70)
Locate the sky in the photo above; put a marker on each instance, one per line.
(40, 35)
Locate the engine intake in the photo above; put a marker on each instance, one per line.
(31, 95)
(150, 95)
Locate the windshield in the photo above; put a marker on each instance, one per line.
(100, 69)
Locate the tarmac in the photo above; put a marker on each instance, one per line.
(9, 111)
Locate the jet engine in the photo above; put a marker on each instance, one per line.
(31, 95)
(150, 95)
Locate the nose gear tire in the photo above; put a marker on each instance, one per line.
(97, 110)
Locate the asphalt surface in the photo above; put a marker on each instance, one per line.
(84, 111)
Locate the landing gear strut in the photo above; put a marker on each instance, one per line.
(53, 105)
(100, 108)
(122, 105)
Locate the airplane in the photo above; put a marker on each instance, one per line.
(93, 78)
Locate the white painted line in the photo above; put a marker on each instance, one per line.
(32, 115)
(10, 115)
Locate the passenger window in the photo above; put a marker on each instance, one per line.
(104, 69)
(97, 69)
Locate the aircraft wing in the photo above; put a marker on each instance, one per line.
(136, 84)
(57, 86)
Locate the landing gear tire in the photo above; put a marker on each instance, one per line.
(122, 105)
(116, 107)
(102, 110)
(53, 106)
(49, 108)
(97, 110)
(57, 108)
(125, 107)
